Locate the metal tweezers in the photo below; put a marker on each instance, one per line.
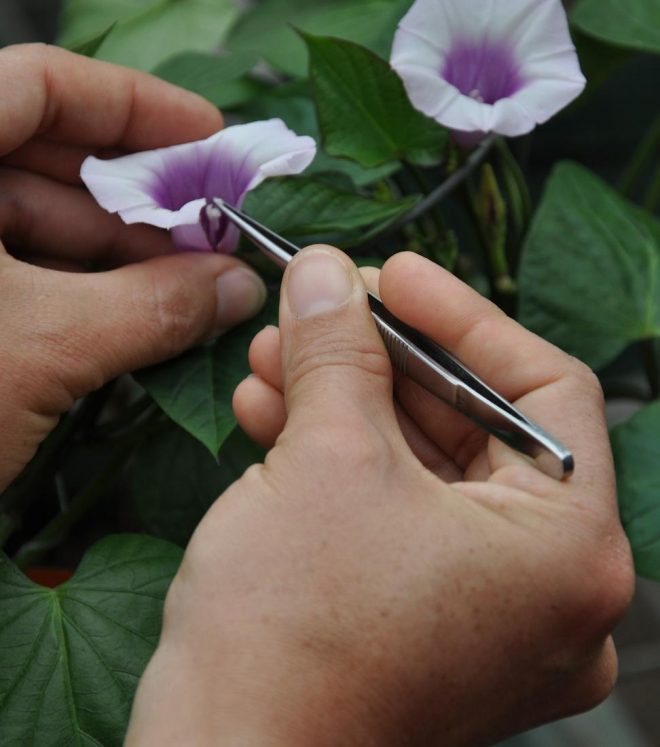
(422, 360)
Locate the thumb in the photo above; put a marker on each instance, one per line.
(140, 314)
(334, 362)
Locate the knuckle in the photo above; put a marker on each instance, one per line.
(354, 444)
(336, 351)
(174, 313)
(602, 591)
(585, 379)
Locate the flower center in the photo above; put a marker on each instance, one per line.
(484, 70)
(185, 177)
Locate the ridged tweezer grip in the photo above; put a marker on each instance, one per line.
(397, 349)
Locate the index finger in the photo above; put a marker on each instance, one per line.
(65, 97)
(548, 385)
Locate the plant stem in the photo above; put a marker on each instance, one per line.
(130, 416)
(488, 211)
(516, 184)
(651, 354)
(20, 493)
(641, 157)
(472, 162)
(425, 188)
(95, 490)
(55, 531)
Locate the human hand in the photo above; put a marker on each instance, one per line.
(393, 578)
(65, 332)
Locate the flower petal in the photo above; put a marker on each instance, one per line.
(533, 32)
(169, 186)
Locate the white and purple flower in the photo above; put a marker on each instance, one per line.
(480, 66)
(168, 187)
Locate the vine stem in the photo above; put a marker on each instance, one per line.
(514, 173)
(58, 528)
(443, 190)
(17, 496)
(433, 198)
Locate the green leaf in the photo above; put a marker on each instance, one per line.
(218, 79)
(86, 19)
(363, 110)
(72, 656)
(306, 206)
(598, 60)
(195, 389)
(634, 24)
(268, 29)
(636, 446)
(174, 480)
(148, 31)
(590, 272)
(90, 47)
(287, 103)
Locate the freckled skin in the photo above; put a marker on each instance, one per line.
(345, 588)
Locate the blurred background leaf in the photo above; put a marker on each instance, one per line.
(269, 28)
(636, 446)
(221, 80)
(590, 272)
(147, 31)
(633, 24)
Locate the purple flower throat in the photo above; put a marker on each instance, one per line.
(484, 70)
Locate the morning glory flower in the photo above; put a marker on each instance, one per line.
(479, 66)
(169, 187)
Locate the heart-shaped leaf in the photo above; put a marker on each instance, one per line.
(590, 273)
(363, 110)
(268, 28)
(636, 446)
(72, 656)
(217, 78)
(148, 31)
(296, 108)
(196, 389)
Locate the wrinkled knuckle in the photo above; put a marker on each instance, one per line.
(174, 313)
(354, 444)
(63, 358)
(336, 352)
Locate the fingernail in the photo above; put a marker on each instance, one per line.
(241, 293)
(319, 283)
